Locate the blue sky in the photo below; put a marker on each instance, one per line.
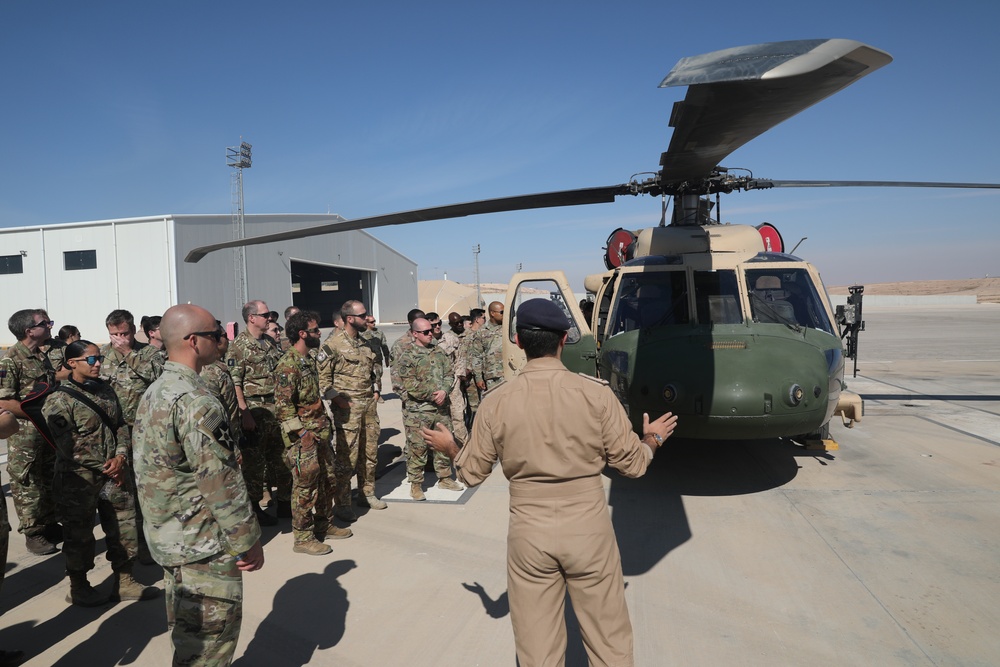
(121, 109)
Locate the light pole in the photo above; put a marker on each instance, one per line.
(239, 157)
(479, 295)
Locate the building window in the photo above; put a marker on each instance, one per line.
(78, 260)
(11, 264)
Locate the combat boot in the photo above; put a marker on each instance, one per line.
(371, 502)
(334, 533)
(345, 513)
(81, 593)
(311, 547)
(127, 588)
(449, 484)
(263, 518)
(417, 491)
(38, 545)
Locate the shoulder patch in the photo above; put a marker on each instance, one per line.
(321, 356)
(230, 362)
(595, 379)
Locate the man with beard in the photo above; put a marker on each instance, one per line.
(306, 431)
(347, 379)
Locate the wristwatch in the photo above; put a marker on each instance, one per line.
(658, 439)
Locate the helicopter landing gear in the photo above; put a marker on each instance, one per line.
(819, 441)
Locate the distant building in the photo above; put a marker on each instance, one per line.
(82, 271)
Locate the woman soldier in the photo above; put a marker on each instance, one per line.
(92, 448)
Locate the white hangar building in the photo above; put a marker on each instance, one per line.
(80, 272)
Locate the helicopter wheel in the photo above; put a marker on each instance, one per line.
(819, 440)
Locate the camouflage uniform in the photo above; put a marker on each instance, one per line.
(198, 516)
(402, 344)
(377, 342)
(347, 368)
(251, 364)
(486, 351)
(298, 406)
(469, 388)
(55, 352)
(424, 370)
(83, 445)
(130, 375)
(452, 346)
(220, 383)
(29, 458)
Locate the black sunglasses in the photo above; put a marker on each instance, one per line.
(43, 323)
(426, 332)
(91, 360)
(214, 335)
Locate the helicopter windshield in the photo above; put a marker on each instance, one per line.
(786, 296)
(650, 299)
(718, 297)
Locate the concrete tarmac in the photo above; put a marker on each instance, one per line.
(751, 553)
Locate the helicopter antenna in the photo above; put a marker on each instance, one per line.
(663, 210)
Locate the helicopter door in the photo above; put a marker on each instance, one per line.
(580, 353)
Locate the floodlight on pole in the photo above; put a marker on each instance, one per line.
(240, 158)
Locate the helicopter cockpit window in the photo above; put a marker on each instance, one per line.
(786, 296)
(543, 289)
(650, 300)
(717, 297)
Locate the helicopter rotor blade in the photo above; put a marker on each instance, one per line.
(737, 94)
(599, 195)
(872, 184)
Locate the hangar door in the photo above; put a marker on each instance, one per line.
(324, 288)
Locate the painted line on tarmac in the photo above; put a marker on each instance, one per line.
(958, 430)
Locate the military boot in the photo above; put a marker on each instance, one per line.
(38, 545)
(263, 518)
(334, 533)
(127, 588)
(345, 513)
(312, 547)
(372, 502)
(81, 593)
(449, 484)
(417, 491)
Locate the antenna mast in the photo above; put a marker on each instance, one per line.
(239, 157)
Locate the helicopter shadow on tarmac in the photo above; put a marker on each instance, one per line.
(648, 513)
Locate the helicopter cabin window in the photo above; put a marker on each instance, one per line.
(786, 296)
(543, 289)
(650, 300)
(717, 297)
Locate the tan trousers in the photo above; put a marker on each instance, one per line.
(566, 543)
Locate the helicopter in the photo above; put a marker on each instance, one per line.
(711, 321)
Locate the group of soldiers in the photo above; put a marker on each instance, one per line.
(439, 376)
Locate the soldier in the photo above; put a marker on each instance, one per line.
(251, 361)
(129, 367)
(553, 432)
(426, 375)
(451, 343)
(151, 330)
(283, 344)
(8, 427)
(29, 458)
(476, 319)
(306, 432)
(199, 523)
(347, 380)
(53, 350)
(486, 353)
(220, 383)
(92, 475)
(403, 342)
(380, 346)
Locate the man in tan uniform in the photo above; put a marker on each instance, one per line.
(553, 432)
